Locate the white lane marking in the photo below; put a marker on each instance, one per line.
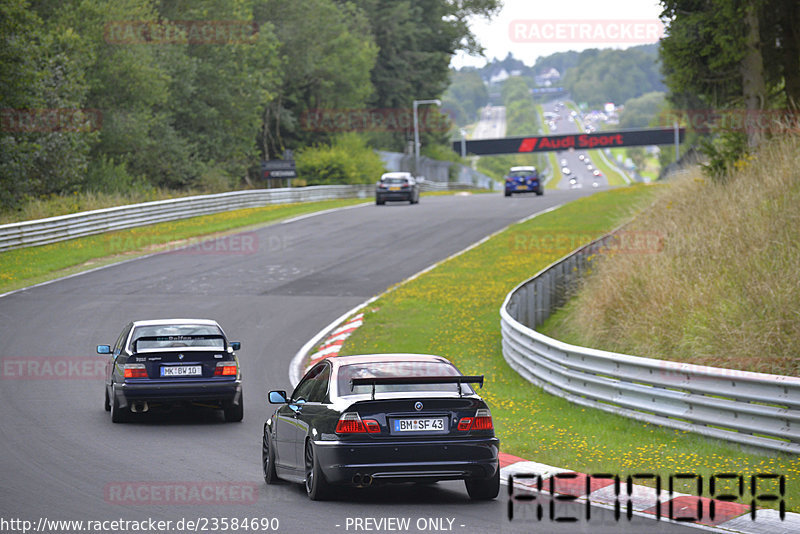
(40, 284)
(296, 365)
(323, 212)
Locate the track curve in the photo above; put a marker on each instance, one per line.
(62, 455)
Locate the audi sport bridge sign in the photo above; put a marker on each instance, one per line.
(586, 141)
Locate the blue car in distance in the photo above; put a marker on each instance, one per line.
(523, 180)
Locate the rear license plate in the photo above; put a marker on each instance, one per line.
(394, 189)
(182, 370)
(522, 187)
(428, 424)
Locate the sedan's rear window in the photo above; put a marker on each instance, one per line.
(177, 336)
(524, 174)
(394, 180)
(393, 369)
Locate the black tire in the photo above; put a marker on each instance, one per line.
(107, 404)
(268, 460)
(484, 489)
(317, 488)
(118, 414)
(508, 193)
(234, 413)
(540, 192)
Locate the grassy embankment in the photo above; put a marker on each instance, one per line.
(453, 311)
(725, 288)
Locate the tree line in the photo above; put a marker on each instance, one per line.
(109, 95)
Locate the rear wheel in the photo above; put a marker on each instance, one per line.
(234, 412)
(508, 193)
(107, 404)
(317, 487)
(268, 460)
(484, 489)
(118, 414)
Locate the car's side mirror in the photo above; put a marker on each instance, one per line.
(103, 349)
(277, 397)
(236, 345)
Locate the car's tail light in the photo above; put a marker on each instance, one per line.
(135, 370)
(351, 423)
(372, 426)
(226, 369)
(481, 421)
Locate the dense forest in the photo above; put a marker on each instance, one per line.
(109, 95)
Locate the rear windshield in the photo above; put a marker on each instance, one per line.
(524, 174)
(399, 368)
(394, 180)
(177, 336)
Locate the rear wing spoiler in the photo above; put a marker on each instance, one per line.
(135, 345)
(391, 380)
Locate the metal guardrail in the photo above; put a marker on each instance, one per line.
(756, 409)
(50, 230)
(64, 227)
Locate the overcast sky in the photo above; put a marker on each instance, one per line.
(498, 38)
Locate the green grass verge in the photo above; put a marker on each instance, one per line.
(453, 311)
(27, 266)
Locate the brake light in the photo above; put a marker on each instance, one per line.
(226, 369)
(481, 421)
(135, 370)
(351, 423)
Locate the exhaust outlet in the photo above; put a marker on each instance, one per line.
(357, 480)
(366, 480)
(140, 407)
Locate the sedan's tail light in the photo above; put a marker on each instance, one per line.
(135, 370)
(226, 369)
(351, 423)
(481, 421)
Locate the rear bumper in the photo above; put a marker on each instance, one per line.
(391, 461)
(394, 195)
(173, 392)
(529, 189)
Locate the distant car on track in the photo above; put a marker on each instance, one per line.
(367, 420)
(524, 179)
(161, 363)
(399, 186)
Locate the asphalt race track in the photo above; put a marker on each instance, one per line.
(63, 459)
